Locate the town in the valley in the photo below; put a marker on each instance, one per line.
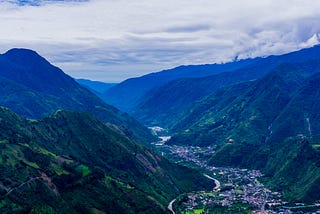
(236, 191)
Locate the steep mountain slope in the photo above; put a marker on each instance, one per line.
(294, 168)
(96, 87)
(127, 94)
(301, 115)
(245, 112)
(166, 104)
(274, 126)
(34, 88)
(291, 166)
(73, 163)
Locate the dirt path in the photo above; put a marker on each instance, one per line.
(43, 177)
(21, 185)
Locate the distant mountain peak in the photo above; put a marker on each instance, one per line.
(23, 56)
(21, 52)
(33, 87)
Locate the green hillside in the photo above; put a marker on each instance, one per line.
(73, 163)
(245, 112)
(272, 122)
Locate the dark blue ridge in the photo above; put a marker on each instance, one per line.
(39, 2)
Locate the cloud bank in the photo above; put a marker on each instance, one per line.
(114, 40)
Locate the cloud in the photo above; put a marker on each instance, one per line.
(113, 40)
(191, 28)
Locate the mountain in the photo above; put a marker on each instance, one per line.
(248, 111)
(72, 162)
(127, 94)
(271, 124)
(290, 166)
(166, 104)
(292, 154)
(34, 88)
(95, 87)
(301, 115)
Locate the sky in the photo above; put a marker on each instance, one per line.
(112, 40)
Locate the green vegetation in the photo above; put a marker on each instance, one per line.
(239, 190)
(74, 163)
(45, 152)
(42, 209)
(34, 88)
(195, 211)
(269, 124)
(237, 208)
(31, 164)
(169, 103)
(316, 146)
(58, 169)
(84, 170)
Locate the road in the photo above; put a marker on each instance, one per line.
(216, 188)
(215, 181)
(170, 206)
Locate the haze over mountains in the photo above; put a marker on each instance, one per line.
(156, 97)
(96, 87)
(140, 86)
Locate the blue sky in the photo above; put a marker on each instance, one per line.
(113, 40)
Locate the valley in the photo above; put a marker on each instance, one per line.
(244, 146)
(64, 150)
(159, 107)
(236, 190)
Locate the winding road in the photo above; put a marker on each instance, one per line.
(170, 206)
(215, 181)
(216, 188)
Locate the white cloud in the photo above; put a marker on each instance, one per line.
(112, 40)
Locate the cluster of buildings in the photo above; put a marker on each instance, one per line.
(240, 186)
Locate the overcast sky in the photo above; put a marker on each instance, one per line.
(111, 40)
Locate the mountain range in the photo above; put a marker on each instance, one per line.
(64, 150)
(95, 87)
(269, 124)
(34, 88)
(260, 114)
(128, 94)
(249, 110)
(167, 103)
